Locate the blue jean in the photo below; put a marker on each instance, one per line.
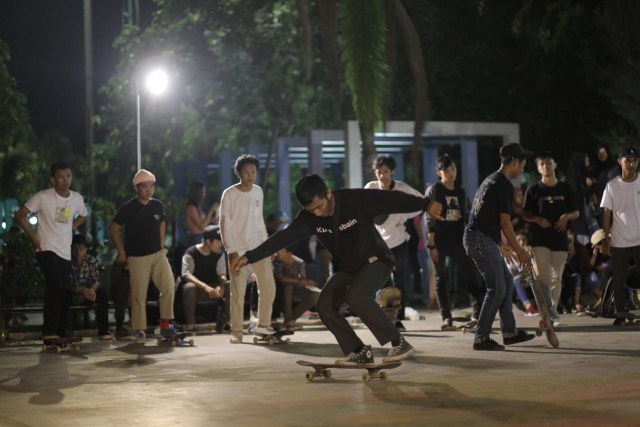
(423, 261)
(499, 282)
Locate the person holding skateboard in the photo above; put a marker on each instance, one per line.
(621, 225)
(243, 228)
(344, 222)
(490, 215)
(143, 251)
(60, 211)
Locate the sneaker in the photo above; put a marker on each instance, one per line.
(140, 336)
(263, 330)
(520, 336)
(236, 338)
(400, 351)
(364, 356)
(531, 311)
(292, 326)
(169, 332)
(487, 344)
(400, 326)
(556, 321)
(447, 325)
(105, 337)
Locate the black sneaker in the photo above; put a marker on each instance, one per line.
(521, 336)
(399, 352)
(400, 326)
(487, 344)
(364, 356)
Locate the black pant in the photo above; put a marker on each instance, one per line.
(466, 275)
(357, 290)
(620, 258)
(401, 255)
(102, 308)
(119, 292)
(57, 273)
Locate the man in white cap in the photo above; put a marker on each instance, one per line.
(143, 251)
(621, 203)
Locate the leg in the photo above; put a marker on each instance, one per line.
(468, 273)
(328, 306)
(620, 263)
(266, 290)
(507, 321)
(557, 263)
(442, 291)
(102, 310)
(424, 275)
(522, 294)
(543, 265)
(287, 301)
(53, 291)
(238, 288)
(400, 253)
(162, 276)
(189, 299)
(307, 298)
(359, 295)
(139, 275)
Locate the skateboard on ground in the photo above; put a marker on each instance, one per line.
(374, 370)
(546, 322)
(275, 338)
(469, 326)
(177, 340)
(61, 344)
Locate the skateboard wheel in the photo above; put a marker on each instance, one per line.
(288, 341)
(327, 373)
(538, 333)
(158, 341)
(191, 343)
(309, 376)
(174, 343)
(366, 377)
(383, 375)
(255, 340)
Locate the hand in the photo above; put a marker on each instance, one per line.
(524, 258)
(89, 294)
(212, 209)
(543, 222)
(36, 244)
(308, 282)
(606, 247)
(214, 293)
(434, 210)
(237, 263)
(122, 257)
(435, 254)
(561, 223)
(508, 253)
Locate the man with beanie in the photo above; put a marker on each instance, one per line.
(143, 251)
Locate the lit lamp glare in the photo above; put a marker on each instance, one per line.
(157, 81)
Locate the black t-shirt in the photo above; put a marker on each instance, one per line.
(494, 197)
(205, 266)
(549, 203)
(349, 234)
(141, 226)
(448, 233)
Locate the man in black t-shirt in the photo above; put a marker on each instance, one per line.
(204, 274)
(490, 215)
(143, 251)
(549, 205)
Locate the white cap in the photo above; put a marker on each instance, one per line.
(143, 175)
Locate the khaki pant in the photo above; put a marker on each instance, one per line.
(266, 290)
(142, 269)
(550, 267)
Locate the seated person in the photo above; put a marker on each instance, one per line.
(289, 272)
(520, 284)
(204, 274)
(85, 282)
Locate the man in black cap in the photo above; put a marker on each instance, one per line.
(621, 203)
(491, 214)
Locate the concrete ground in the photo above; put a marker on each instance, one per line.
(592, 379)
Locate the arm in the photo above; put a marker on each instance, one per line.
(114, 232)
(163, 230)
(606, 226)
(78, 222)
(507, 229)
(21, 218)
(542, 222)
(561, 223)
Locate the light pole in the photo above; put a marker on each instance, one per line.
(156, 83)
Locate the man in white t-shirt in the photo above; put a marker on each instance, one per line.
(59, 211)
(621, 203)
(242, 227)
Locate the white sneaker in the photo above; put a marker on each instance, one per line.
(556, 322)
(236, 338)
(263, 330)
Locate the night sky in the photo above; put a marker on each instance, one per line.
(45, 39)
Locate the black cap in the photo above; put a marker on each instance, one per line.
(629, 151)
(513, 149)
(211, 232)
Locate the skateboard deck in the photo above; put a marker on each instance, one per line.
(61, 344)
(465, 327)
(374, 370)
(177, 340)
(275, 338)
(546, 322)
(390, 299)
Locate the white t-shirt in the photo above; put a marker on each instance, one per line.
(623, 199)
(392, 230)
(241, 222)
(55, 219)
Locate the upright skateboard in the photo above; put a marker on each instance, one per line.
(323, 370)
(546, 322)
(177, 340)
(275, 338)
(61, 344)
(390, 300)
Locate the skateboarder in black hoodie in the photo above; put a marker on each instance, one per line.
(343, 220)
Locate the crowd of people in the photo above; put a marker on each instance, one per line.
(580, 234)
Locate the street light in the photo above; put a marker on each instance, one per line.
(156, 83)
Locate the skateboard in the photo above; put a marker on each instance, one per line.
(546, 322)
(61, 344)
(275, 338)
(465, 327)
(177, 340)
(374, 370)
